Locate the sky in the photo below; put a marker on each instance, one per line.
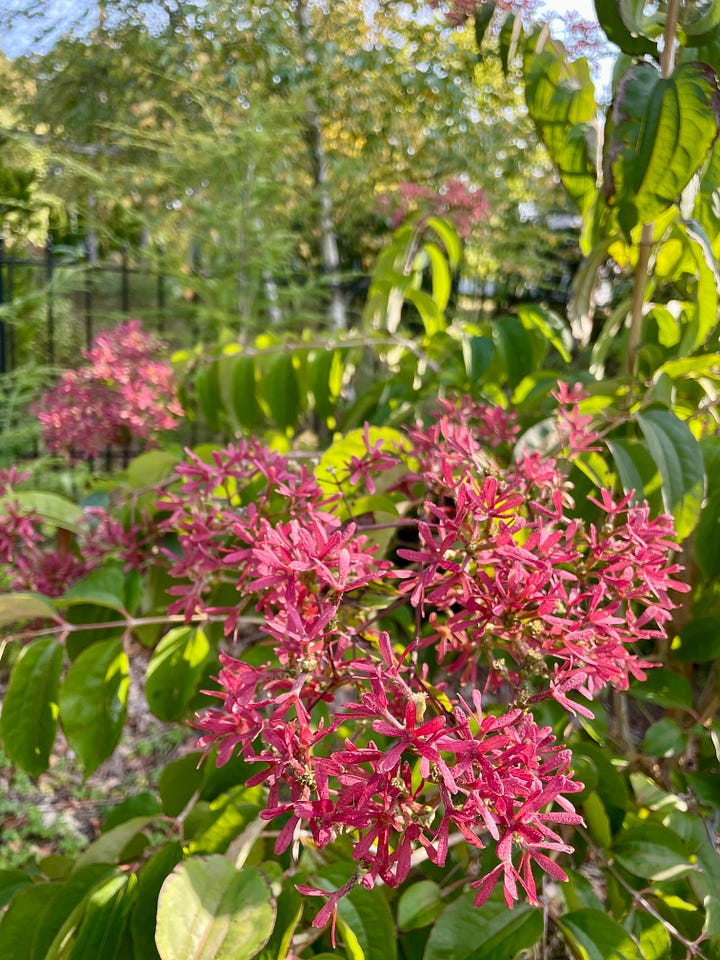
(18, 41)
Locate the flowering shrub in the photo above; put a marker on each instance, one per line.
(463, 205)
(123, 391)
(406, 739)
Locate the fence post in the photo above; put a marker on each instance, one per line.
(50, 304)
(3, 343)
(124, 281)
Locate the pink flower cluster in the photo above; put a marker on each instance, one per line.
(515, 600)
(124, 391)
(457, 201)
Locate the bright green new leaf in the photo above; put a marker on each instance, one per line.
(150, 469)
(448, 235)
(93, 699)
(208, 910)
(536, 317)
(560, 97)
(661, 132)
(174, 671)
(106, 915)
(441, 276)
(50, 507)
(281, 390)
(419, 905)
(680, 463)
(29, 715)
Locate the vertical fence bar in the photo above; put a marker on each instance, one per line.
(50, 305)
(88, 294)
(124, 281)
(3, 344)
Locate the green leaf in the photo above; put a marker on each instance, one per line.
(514, 346)
(207, 388)
(483, 15)
(489, 932)
(367, 915)
(144, 804)
(652, 936)
(244, 394)
(680, 462)
(281, 390)
(50, 507)
(62, 914)
(665, 688)
(11, 881)
(610, 19)
(653, 852)
(19, 922)
(419, 905)
(560, 97)
(597, 820)
(108, 847)
(178, 781)
(692, 367)
(15, 607)
(106, 916)
(93, 699)
(144, 916)
(29, 715)
(104, 587)
(174, 671)
(477, 353)
(448, 235)
(707, 537)
(430, 312)
(229, 814)
(661, 131)
(550, 325)
(699, 640)
(333, 470)
(593, 935)
(150, 469)
(208, 910)
(441, 276)
(664, 738)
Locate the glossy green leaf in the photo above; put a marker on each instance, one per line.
(150, 469)
(707, 537)
(19, 922)
(208, 910)
(653, 852)
(419, 905)
(665, 688)
(449, 238)
(245, 404)
(50, 507)
(11, 881)
(514, 347)
(16, 607)
(93, 700)
(597, 820)
(29, 715)
(281, 390)
(593, 935)
(228, 816)
(104, 587)
(178, 781)
(560, 97)
(465, 932)
(441, 276)
(174, 671)
(536, 317)
(207, 388)
(108, 846)
(610, 19)
(661, 132)
(106, 915)
(664, 738)
(680, 463)
(144, 916)
(64, 911)
(430, 311)
(366, 914)
(700, 639)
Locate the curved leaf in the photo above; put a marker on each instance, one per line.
(174, 671)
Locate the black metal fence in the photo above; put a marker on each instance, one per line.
(89, 296)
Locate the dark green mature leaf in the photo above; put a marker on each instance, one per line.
(245, 404)
(610, 19)
(700, 639)
(560, 97)
(19, 922)
(65, 911)
(368, 917)
(29, 715)
(207, 388)
(661, 132)
(11, 881)
(108, 846)
(16, 607)
(653, 852)
(106, 915)
(419, 905)
(174, 671)
(707, 538)
(208, 910)
(680, 462)
(281, 390)
(93, 699)
(150, 468)
(550, 325)
(489, 932)
(103, 587)
(144, 915)
(178, 781)
(593, 935)
(514, 346)
(665, 688)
